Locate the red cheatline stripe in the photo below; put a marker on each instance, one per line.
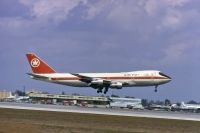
(107, 78)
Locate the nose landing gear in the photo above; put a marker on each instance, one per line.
(105, 90)
(156, 90)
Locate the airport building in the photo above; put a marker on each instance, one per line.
(85, 100)
(67, 99)
(5, 94)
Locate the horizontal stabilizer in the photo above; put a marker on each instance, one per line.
(38, 76)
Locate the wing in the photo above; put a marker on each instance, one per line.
(83, 78)
(93, 81)
(100, 82)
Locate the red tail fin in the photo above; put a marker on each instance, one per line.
(37, 65)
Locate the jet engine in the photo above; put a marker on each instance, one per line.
(96, 82)
(117, 85)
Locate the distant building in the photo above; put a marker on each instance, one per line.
(5, 94)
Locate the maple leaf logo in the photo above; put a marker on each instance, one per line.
(35, 62)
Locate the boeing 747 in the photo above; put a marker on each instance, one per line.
(100, 81)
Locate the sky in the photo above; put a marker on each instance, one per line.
(103, 36)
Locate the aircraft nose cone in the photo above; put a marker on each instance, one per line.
(166, 76)
(168, 79)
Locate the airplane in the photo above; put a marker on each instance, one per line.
(100, 81)
(186, 107)
(190, 106)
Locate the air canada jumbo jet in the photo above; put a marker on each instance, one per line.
(100, 81)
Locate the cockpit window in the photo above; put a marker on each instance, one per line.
(162, 74)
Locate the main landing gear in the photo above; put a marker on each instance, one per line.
(99, 90)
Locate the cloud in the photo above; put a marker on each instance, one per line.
(172, 19)
(94, 9)
(151, 7)
(51, 10)
(127, 15)
(41, 14)
(176, 3)
(131, 23)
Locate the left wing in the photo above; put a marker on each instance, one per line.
(100, 83)
(83, 78)
(93, 82)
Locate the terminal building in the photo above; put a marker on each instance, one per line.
(5, 94)
(67, 99)
(132, 103)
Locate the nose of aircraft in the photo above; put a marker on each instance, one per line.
(168, 78)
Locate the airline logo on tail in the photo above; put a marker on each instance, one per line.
(35, 62)
(38, 66)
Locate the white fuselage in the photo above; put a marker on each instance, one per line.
(129, 79)
(189, 106)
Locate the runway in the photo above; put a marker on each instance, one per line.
(104, 111)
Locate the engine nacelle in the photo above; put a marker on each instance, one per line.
(96, 82)
(117, 85)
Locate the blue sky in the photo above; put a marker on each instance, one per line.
(103, 36)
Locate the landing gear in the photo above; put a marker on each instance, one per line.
(156, 90)
(99, 90)
(105, 90)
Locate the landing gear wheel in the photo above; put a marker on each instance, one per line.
(99, 90)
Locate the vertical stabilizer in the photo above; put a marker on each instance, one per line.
(38, 66)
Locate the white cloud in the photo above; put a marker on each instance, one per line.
(52, 10)
(94, 9)
(128, 15)
(151, 7)
(176, 2)
(173, 19)
(42, 13)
